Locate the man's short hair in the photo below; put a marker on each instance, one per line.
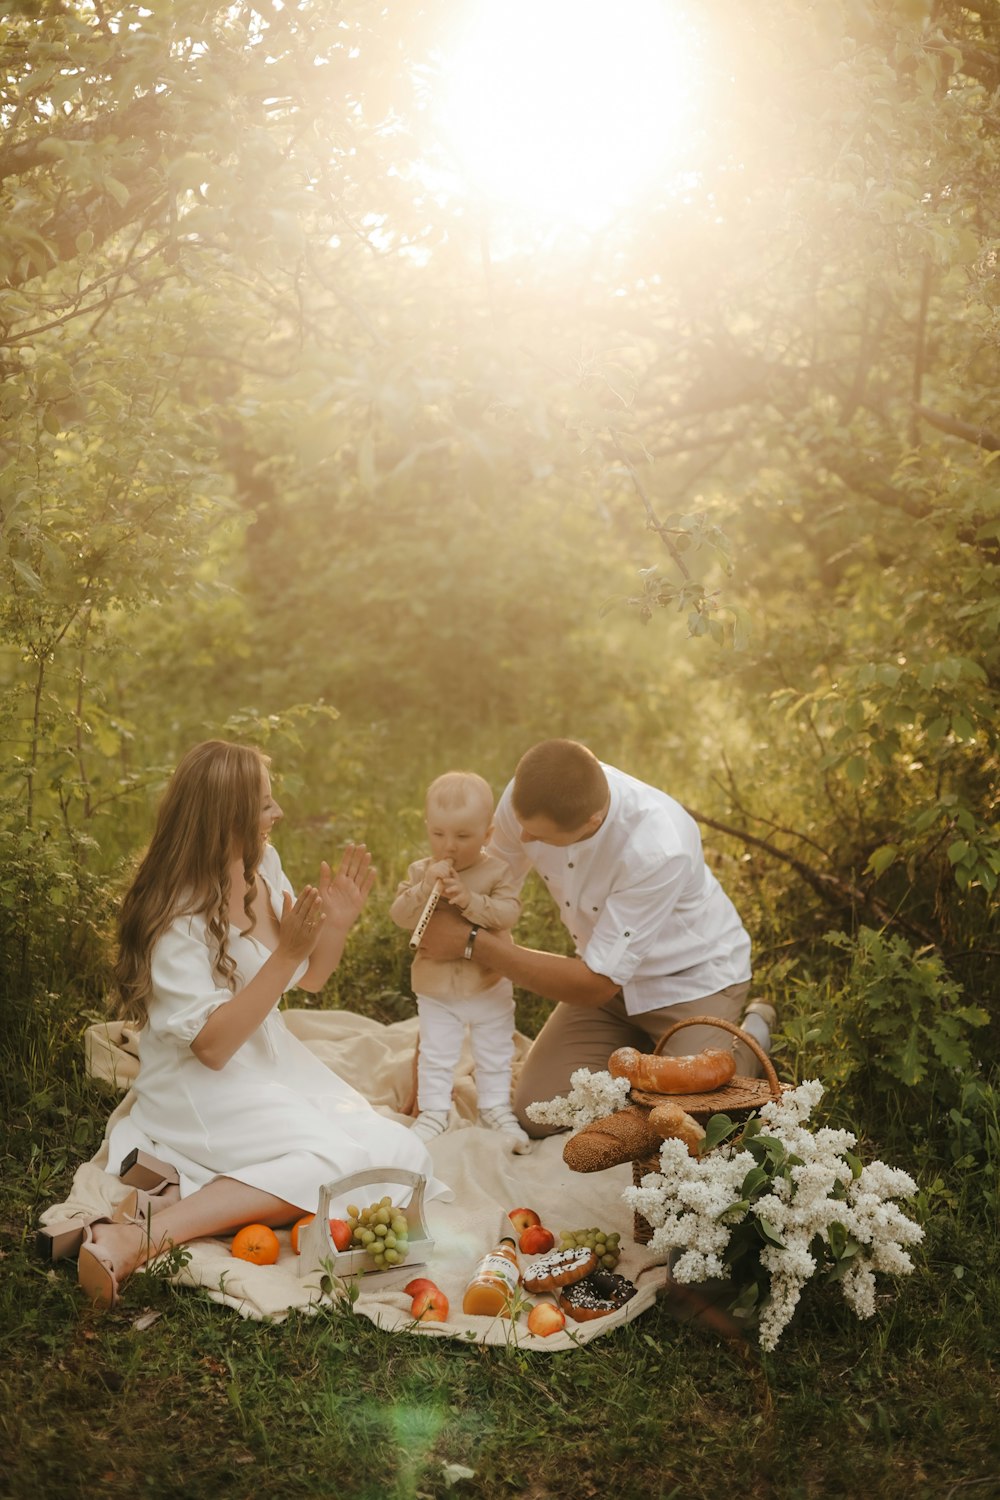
(561, 780)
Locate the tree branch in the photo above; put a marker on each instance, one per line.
(654, 522)
(836, 892)
(955, 427)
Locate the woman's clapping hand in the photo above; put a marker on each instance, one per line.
(344, 894)
(301, 924)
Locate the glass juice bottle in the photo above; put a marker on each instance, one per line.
(496, 1279)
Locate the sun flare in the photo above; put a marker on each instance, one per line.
(565, 109)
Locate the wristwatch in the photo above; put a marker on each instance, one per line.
(470, 942)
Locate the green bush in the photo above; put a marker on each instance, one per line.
(895, 1034)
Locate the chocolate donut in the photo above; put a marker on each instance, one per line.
(596, 1295)
(559, 1268)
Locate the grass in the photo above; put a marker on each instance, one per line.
(197, 1401)
(173, 1396)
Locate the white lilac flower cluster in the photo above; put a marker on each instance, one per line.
(591, 1097)
(820, 1194)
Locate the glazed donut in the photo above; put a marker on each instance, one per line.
(699, 1073)
(559, 1268)
(596, 1296)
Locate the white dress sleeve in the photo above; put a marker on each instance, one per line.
(186, 989)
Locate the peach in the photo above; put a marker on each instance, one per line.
(340, 1233)
(430, 1306)
(523, 1218)
(536, 1240)
(545, 1318)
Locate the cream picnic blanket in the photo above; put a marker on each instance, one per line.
(487, 1180)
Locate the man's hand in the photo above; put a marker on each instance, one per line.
(446, 935)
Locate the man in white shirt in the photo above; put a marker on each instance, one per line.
(656, 937)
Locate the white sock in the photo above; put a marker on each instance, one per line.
(755, 1025)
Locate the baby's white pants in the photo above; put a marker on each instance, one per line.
(490, 1019)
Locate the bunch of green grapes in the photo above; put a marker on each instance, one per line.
(382, 1230)
(604, 1245)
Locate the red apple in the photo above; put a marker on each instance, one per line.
(419, 1284)
(523, 1218)
(536, 1240)
(430, 1306)
(545, 1318)
(340, 1233)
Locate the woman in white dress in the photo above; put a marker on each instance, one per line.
(210, 937)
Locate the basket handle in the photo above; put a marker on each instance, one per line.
(742, 1036)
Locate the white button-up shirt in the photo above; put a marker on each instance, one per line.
(639, 901)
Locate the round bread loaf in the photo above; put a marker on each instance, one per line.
(559, 1268)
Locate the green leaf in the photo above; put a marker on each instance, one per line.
(23, 570)
(881, 858)
(770, 1232)
(911, 1062)
(718, 1129)
(855, 770)
(753, 1181)
(744, 1305)
(118, 190)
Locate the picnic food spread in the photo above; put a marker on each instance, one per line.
(698, 1073)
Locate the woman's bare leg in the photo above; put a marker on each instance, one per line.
(217, 1208)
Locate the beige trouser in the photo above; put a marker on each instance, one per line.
(584, 1036)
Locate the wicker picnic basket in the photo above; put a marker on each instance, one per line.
(738, 1099)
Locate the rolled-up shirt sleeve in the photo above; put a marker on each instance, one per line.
(186, 990)
(631, 923)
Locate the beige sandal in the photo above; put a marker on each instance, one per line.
(95, 1272)
(61, 1241)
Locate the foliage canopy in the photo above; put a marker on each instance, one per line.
(287, 426)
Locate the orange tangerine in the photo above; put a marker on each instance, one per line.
(256, 1243)
(300, 1224)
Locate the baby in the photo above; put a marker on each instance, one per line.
(455, 995)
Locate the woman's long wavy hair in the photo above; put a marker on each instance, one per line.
(210, 812)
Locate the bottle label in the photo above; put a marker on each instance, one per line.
(499, 1268)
